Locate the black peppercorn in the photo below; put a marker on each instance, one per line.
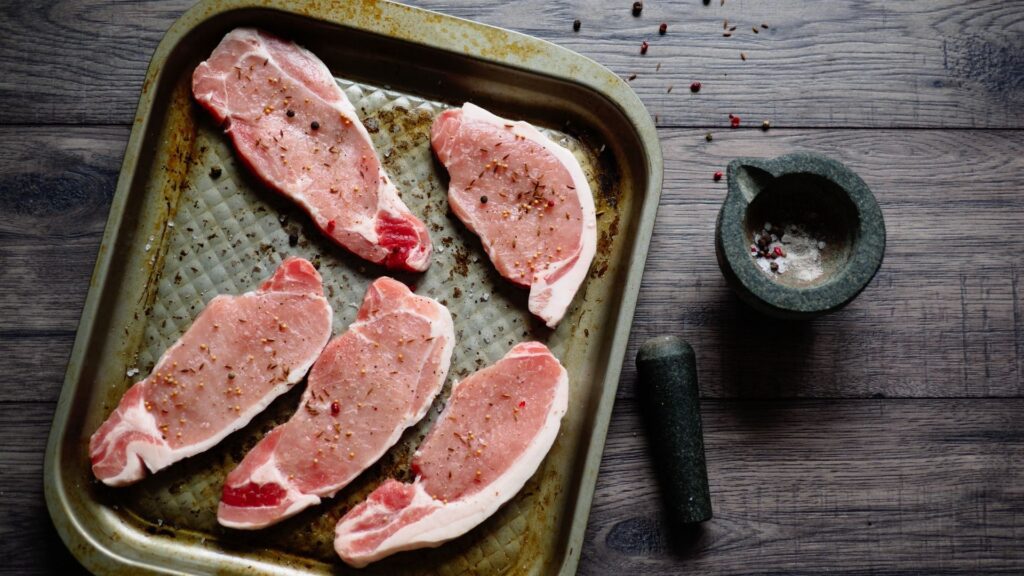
(483, 199)
(576, 25)
(637, 8)
(215, 172)
(315, 125)
(290, 113)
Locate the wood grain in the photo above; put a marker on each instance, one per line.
(29, 544)
(913, 487)
(78, 62)
(56, 185)
(874, 63)
(914, 467)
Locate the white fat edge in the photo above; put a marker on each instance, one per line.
(270, 473)
(158, 457)
(134, 418)
(343, 536)
(564, 289)
(453, 519)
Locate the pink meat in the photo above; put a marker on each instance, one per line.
(496, 429)
(297, 131)
(240, 353)
(527, 199)
(369, 385)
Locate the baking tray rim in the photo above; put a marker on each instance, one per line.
(539, 57)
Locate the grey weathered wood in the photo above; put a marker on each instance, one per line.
(56, 185)
(916, 485)
(29, 544)
(920, 487)
(78, 62)
(871, 63)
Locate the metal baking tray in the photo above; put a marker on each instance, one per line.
(176, 237)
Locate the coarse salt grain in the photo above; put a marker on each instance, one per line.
(802, 253)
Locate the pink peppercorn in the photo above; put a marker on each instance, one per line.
(643, 47)
(734, 121)
(718, 176)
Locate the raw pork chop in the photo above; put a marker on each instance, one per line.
(369, 385)
(496, 429)
(240, 353)
(527, 199)
(299, 133)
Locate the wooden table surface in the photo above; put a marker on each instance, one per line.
(887, 438)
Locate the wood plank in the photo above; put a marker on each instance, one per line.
(33, 364)
(866, 63)
(942, 319)
(78, 62)
(893, 486)
(56, 185)
(912, 487)
(29, 543)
